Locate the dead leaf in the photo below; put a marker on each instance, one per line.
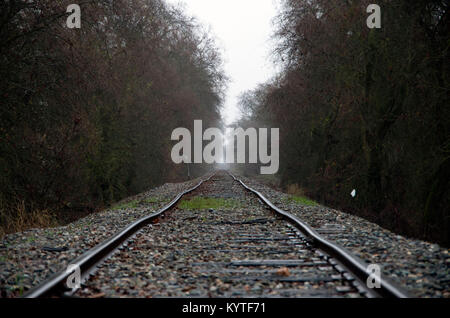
(188, 288)
(283, 271)
(155, 221)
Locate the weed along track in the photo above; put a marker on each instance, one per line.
(222, 240)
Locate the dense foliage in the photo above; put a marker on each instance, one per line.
(86, 114)
(364, 109)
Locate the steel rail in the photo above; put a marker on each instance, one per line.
(87, 262)
(353, 263)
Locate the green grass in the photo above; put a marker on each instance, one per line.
(151, 200)
(200, 203)
(302, 200)
(135, 203)
(18, 284)
(128, 205)
(30, 239)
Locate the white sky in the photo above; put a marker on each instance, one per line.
(242, 29)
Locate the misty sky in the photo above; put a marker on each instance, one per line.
(242, 29)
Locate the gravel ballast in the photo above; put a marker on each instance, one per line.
(422, 268)
(28, 258)
(238, 249)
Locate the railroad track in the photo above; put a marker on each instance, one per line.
(247, 247)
